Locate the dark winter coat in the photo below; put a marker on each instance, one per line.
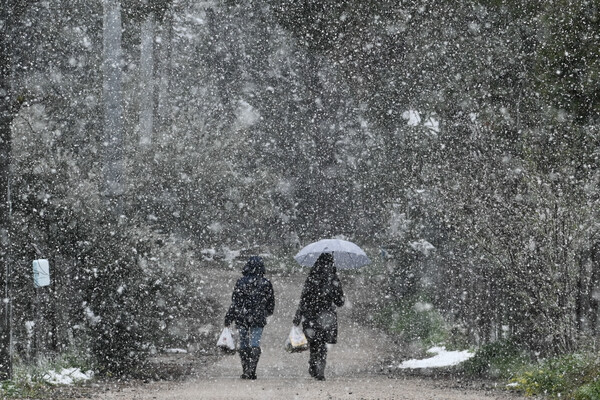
(321, 293)
(253, 299)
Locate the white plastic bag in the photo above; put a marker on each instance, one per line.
(226, 341)
(296, 340)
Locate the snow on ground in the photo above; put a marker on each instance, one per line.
(176, 351)
(442, 358)
(67, 376)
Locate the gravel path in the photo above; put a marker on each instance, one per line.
(353, 365)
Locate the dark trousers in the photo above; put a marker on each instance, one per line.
(318, 354)
(250, 349)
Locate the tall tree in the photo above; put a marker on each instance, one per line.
(9, 15)
(5, 147)
(147, 79)
(148, 13)
(114, 173)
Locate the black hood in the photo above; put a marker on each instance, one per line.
(324, 265)
(254, 266)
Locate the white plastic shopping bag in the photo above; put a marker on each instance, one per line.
(296, 340)
(226, 341)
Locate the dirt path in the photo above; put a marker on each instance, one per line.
(353, 365)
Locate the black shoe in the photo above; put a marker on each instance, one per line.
(253, 362)
(319, 370)
(245, 358)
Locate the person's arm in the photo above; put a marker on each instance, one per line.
(270, 295)
(231, 313)
(298, 317)
(301, 307)
(338, 292)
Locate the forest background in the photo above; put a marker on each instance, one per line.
(458, 142)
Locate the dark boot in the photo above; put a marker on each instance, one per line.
(245, 357)
(320, 370)
(318, 355)
(253, 362)
(312, 362)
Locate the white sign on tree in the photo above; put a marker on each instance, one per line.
(41, 273)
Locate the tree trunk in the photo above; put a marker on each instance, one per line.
(113, 107)
(147, 81)
(581, 297)
(594, 290)
(164, 66)
(6, 117)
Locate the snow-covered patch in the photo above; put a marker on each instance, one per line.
(422, 307)
(230, 255)
(433, 124)
(208, 254)
(93, 318)
(246, 115)
(442, 358)
(67, 376)
(413, 118)
(176, 351)
(422, 246)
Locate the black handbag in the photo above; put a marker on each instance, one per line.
(327, 321)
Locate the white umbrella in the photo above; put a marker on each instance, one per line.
(346, 255)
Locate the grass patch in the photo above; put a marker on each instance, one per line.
(500, 360)
(19, 389)
(572, 376)
(28, 378)
(590, 391)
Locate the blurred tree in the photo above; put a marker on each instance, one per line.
(147, 13)
(113, 165)
(6, 116)
(569, 58)
(10, 14)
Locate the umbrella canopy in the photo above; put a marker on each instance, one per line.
(346, 255)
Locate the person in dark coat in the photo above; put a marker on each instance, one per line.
(252, 301)
(321, 293)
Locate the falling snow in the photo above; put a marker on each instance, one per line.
(148, 149)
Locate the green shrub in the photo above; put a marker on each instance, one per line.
(413, 323)
(28, 378)
(22, 389)
(570, 376)
(501, 359)
(142, 295)
(117, 302)
(590, 391)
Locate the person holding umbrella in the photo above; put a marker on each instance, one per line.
(252, 301)
(321, 293)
